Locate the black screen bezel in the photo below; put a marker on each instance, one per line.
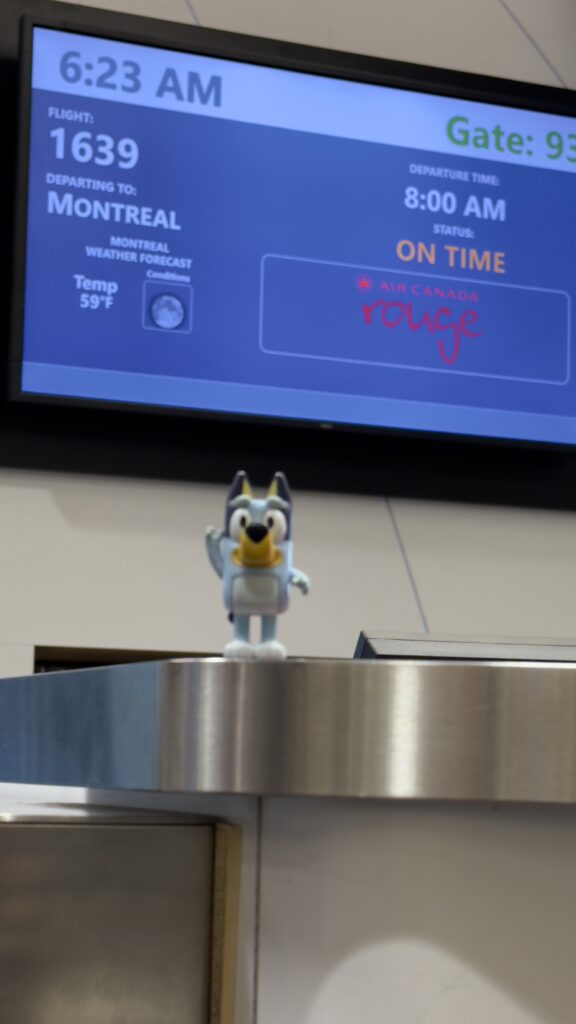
(288, 56)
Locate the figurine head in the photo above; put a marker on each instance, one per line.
(260, 526)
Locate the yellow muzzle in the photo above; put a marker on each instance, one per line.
(262, 554)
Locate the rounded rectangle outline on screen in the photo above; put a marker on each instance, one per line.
(412, 366)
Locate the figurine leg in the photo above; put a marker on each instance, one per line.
(269, 647)
(240, 646)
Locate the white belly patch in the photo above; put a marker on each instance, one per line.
(255, 595)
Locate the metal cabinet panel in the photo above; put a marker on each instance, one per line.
(105, 923)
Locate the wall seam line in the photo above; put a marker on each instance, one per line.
(192, 12)
(407, 567)
(535, 46)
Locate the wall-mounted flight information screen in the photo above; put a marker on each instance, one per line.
(208, 234)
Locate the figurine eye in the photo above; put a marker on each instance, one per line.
(239, 520)
(276, 523)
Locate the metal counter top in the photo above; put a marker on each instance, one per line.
(399, 729)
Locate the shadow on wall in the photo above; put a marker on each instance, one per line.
(418, 916)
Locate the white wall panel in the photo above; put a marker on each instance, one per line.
(377, 913)
(492, 570)
(93, 562)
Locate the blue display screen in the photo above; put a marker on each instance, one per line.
(214, 235)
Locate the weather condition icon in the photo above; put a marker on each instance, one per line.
(167, 312)
(364, 282)
(167, 308)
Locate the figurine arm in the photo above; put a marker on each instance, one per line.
(300, 580)
(213, 539)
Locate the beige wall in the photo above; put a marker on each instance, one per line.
(373, 912)
(93, 562)
(98, 562)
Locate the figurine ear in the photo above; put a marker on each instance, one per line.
(240, 485)
(279, 488)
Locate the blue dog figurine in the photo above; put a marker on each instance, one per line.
(253, 557)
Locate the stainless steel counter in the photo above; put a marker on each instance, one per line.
(400, 729)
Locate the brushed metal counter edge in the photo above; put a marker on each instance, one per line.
(439, 730)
